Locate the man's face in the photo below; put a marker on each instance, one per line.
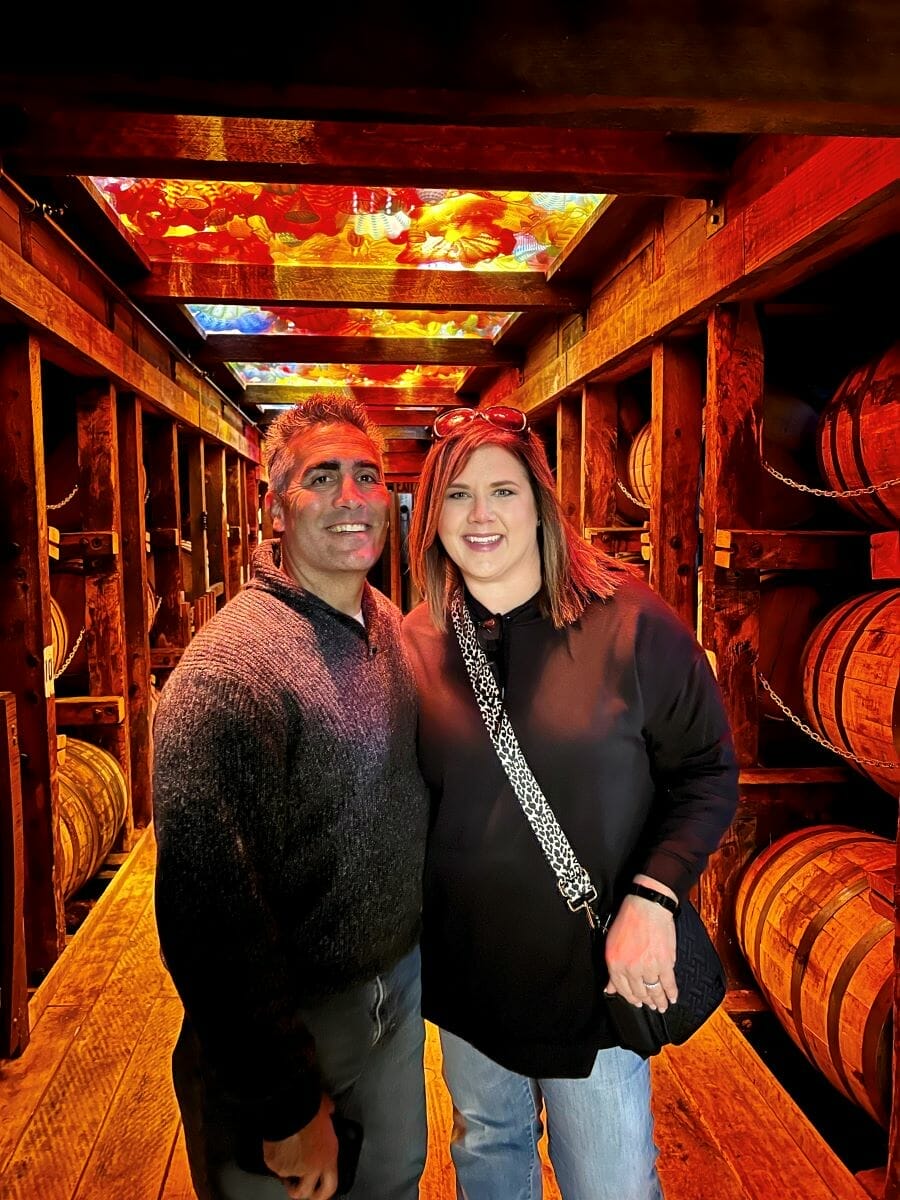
(333, 512)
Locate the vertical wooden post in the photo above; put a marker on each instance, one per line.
(26, 649)
(236, 531)
(675, 435)
(598, 455)
(892, 1174)
(568, 458)
(164, 520)
(196, 476)
(251, 502)
(98, 484)
(216, 519)
(13, 973)
(731, 499)
(396, 565)
(132, 486)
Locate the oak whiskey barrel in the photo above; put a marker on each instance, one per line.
(859, 439)
(60, 635)
(823, 956)
(93, 797)
(851, 681)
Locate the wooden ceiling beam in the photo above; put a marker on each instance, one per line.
(428, 398)
(355, 287)
(304, 348)
(792, 66)
(263, 150)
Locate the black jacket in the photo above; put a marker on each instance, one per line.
(622, 722)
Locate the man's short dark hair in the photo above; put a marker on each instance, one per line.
(319, 409)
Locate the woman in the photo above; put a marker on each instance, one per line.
(621, 721)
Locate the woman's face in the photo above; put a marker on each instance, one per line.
(488, 526)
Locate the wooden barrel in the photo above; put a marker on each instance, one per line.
(93, 798)
(851, 681)
(823, 956)
(60, 635)
(639, 479)
(859, 438)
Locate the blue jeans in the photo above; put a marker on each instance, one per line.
(600, 1129)
(369, 1047)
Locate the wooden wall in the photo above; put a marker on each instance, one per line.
(129, 509)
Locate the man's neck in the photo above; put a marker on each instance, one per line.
(343, 590)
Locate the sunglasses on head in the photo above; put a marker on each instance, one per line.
(513, 420)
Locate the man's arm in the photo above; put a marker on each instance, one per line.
(219, 776)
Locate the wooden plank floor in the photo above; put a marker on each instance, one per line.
(88, 1113)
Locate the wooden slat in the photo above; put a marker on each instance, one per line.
(364, 287)
(307, 348)
(14, 1029)
(98, 543)
(374, 398)
(598, 448)
(236, 525)
(178, 1184)
(193, 449)
(164, 517)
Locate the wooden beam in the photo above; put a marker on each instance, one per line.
(104, 592)
(26, 655)
(568, 459)
(216, 517)
(14, 1029)
(373, 397)
(236, 525)
(598, 450)
(675, 440)
(354, 287)
(132, 487)
(665, 64)
(268, 150)
(90, 711)
(834, 200)
(164, 517)
(302, 348)
(193, 450)
(30, 296)
(791, 550)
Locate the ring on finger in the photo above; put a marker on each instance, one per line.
(651, 985)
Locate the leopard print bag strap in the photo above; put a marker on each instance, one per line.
(573, 880)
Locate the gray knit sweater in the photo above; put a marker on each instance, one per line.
(290, 819)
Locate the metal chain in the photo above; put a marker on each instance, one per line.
(802, 487)
(634, 500)
(863, 762)
(70, 656)
(53, 507)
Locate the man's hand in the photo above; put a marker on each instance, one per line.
(306, 1162)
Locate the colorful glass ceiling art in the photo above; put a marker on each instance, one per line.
(344, 322)
(337, 375)
(202, 221)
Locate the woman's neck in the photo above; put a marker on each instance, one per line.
(502, 597)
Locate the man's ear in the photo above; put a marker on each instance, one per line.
(274, 505)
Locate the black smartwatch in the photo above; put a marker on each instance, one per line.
(647, 893)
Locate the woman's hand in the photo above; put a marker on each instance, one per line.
(640, 954)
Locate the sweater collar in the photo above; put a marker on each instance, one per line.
(269, 577)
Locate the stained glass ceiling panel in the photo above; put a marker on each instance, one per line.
(343, 322)
(303, 224)
(335, 375)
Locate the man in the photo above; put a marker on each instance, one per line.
(290, 817)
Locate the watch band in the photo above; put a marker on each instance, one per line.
(646, 893)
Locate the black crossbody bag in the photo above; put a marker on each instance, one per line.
(698, 969)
